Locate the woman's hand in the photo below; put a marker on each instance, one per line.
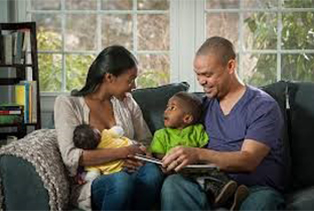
(130, 162)
(179, 157)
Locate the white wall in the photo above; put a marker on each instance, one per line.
(3, 10)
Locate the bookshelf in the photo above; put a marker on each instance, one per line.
(19, 70)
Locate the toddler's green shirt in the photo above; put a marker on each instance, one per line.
(168, 138)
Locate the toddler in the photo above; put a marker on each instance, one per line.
(182, 128)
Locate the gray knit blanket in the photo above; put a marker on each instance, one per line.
(40, 148)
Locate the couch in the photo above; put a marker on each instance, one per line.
(32, 176)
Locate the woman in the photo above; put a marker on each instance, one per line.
(104, 102)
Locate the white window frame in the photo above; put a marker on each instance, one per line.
(188, 20)
(63, 12)
(188, 32)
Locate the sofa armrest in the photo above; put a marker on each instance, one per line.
(32, 174)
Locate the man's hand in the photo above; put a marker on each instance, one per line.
(179, 157)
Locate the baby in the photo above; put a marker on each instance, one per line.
(182, 128)
(86, 137)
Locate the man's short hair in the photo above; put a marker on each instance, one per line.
(219, 46)
(84, 137)
(192, 105)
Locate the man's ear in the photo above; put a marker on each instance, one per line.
(231, 66)
(188, 119)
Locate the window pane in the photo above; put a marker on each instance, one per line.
(116, 4)
(45, 5)
(48, 31)
(76, 70)
(117, 29)
(153, 32)
(224, 25)
(260, 4)
(259, 69)
(49, 72)
(153, 4)
(222, 4)
(260, 30)
(298, 3)
(298, 30)
(298, 67)
(81, 4)
(80, 32)
(154, 70)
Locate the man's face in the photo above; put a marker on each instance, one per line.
(212, 75)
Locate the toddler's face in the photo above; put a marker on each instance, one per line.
(174, 114)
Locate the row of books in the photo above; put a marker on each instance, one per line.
(14, 45)
(24, 107)
(11, 114)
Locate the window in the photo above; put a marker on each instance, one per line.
(72, 32)
(274, 39)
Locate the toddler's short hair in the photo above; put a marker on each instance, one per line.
(84, 137)
(192, 105)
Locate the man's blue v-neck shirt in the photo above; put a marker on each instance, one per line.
(255, 116)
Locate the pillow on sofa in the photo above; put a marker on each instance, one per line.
(301, 100)
(153, 102)
(278, 91)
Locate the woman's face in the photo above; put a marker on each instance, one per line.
(124, 83)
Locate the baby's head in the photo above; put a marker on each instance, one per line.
(183, 109)
(86, 137)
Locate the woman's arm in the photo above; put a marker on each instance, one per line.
(99, 156)
(68, 114)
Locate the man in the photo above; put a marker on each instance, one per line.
(244, 127)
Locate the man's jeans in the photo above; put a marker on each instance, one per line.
(125, 191)
(180, 193)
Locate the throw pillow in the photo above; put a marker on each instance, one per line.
(153, 102)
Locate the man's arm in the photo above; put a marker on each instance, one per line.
(251, 155)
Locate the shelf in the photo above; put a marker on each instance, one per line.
(18, 125)
(16, 65)
(19, 135)
(8, 81)
(21, 71)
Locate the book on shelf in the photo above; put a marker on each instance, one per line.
(14, 44)
(10, 107)
(18, 53)
(11, 119)
(25, 94)
(10, 112)
(7, 40)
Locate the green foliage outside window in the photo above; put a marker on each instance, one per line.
(297, 34)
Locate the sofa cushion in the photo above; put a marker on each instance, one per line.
(153, 102)
(279, 91)
(301, 100)
(41, 151)
(21, 185)
(301, 200)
